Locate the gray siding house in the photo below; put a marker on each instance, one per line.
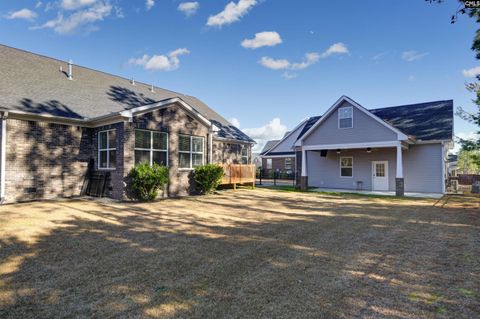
(61, 123)
(401, 149)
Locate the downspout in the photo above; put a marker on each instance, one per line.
(3, 157)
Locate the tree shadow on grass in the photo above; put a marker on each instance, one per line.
(207, 258)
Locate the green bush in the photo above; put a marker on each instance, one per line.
(146, 180)
(208, 177)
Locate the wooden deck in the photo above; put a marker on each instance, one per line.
(238, 174)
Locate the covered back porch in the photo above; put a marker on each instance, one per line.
(367, 167)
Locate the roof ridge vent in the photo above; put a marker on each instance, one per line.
(70, 70)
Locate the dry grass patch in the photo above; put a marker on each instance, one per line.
(259, 253)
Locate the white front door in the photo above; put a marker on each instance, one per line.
(380, 175)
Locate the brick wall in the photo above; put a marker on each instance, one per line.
(45, 160)
(278, 163)
(230, 153)
(174, 121)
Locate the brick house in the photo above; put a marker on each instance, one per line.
(60, 122)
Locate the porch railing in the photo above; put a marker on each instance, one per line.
(238, 174)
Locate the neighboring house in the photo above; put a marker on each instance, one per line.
(401, 149)
(279, 155)
(61, 122)
(452, 164)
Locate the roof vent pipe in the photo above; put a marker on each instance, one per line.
(133, 81)
(151, 89)
(70, 73)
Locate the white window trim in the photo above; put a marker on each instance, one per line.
(340, 164)
(151, 149)
(108, 149)
(191, 152)
(338, 115)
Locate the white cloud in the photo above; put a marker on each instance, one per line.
(310, 59)
(471, 73)
(39, 4)
(149, 4)
(24, 13)
(262, 39)
(232, 13)
(411, 56)
(76, 4)
(78, 19)
(283, 64)
(271, 131)
(235, 122)
(379, 56)
(273, 64)
(336, 48)
(189, 8)
(168, 62)
(288, 75)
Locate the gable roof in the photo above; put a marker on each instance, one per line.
(268, 146)
(429, 121)
(35, 84)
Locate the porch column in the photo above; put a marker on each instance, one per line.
(304, 177)
(399, 181)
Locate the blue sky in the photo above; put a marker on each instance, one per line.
(380, 53)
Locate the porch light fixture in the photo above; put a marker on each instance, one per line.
(338, 151)
(369, 149)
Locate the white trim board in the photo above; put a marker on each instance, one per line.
(400, 135)
(352, 145)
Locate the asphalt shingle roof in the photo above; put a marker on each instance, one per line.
(36, 84)
(424, 121)
(268, 146)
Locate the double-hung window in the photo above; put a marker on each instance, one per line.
(107, 149)
(244, 155)
(288, 163)
(151, 147)
(345, 117)
(190, 151)
(346, 166)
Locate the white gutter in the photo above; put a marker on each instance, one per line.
(3, 156)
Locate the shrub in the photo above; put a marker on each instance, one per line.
(146, 180)
(208, 177)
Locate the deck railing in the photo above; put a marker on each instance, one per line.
(238, 174)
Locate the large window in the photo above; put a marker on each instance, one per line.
(345, 117)
(269, 163)
(151, 147)
(288, 163)
(107, 149)
(244, 155)
(346, 166)
(190, 151)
